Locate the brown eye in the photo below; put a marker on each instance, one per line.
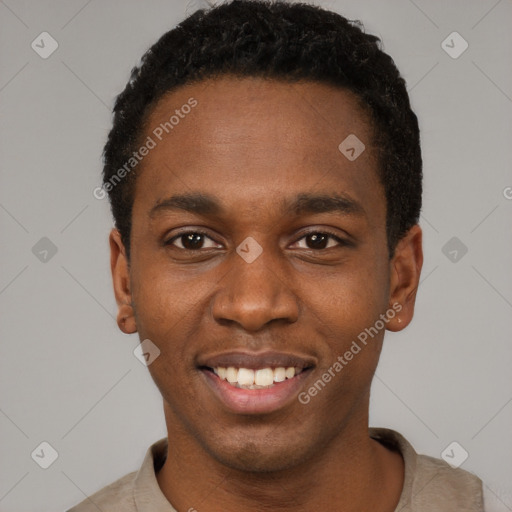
(318, 240)
(191, 241)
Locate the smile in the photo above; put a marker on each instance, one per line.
(262, 378)
(255, 382)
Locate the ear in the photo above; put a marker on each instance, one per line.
(121, 280)
(405, 270)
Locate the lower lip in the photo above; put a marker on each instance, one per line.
(255, 401)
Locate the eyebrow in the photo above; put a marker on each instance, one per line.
(306, 203)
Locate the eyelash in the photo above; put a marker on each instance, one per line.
(332, 235)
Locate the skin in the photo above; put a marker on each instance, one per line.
(250, 143)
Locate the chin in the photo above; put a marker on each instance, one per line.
(265, 456)
(258, 462)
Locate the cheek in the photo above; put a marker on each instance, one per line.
(162, 307)
(351, 300)
(170, 310)
(166, 313)
(344, 316)
(163, 295)
(350, 355)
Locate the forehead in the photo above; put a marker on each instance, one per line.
(252, 142)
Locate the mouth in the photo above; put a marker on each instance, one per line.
(255, 383)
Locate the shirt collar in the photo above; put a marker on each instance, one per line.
(147, 494)
(396, 442)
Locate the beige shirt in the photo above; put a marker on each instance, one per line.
(430, 485)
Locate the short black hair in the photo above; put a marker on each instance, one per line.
(274, 40)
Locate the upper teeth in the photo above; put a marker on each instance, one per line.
(246, 377)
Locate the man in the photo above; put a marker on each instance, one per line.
(264, 172)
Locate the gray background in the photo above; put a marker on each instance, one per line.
(68, 375)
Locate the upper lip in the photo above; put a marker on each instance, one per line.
(255, 360)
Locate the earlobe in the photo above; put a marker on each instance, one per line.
(121, 282)
(126, 319)
(405, 271)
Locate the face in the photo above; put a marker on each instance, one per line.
(257, 244)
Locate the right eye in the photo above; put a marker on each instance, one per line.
(191, 241)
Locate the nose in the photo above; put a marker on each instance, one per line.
(254, 294)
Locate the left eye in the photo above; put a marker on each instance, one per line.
(191, 241)
(321, 240)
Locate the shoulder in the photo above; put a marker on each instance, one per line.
(436, 482)
(430, 484)
(134, 490)
(116, 497)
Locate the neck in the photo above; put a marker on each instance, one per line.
(351, 473)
